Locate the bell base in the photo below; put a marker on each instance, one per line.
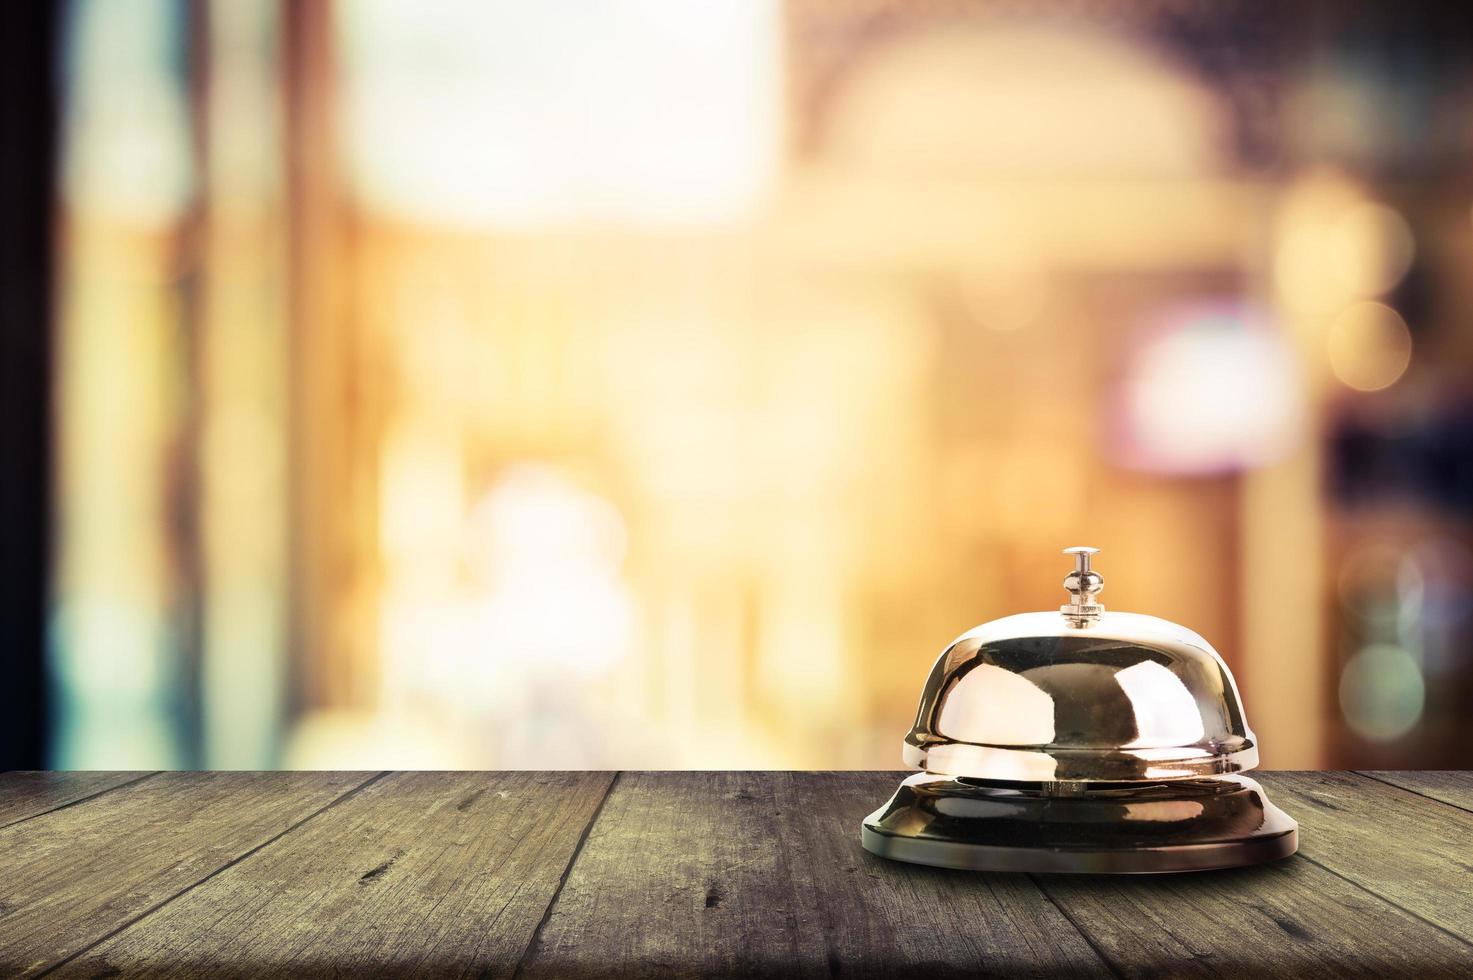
(1159, 828)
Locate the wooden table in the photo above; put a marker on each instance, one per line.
(577, 874)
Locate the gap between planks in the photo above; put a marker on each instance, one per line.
(563, 878)
(1389, 901)
(224, 867)
(81, 799)
(1039, 883)
(1408, 789)
(593, 820)
(1386, 898)
(1069, 916)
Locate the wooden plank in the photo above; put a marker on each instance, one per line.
(683, 874)
(441, 873)
(1294, 917)
(70, 877)
(1453, 788)
(1408, 849)
(1287, 919)
(24, 795)
(739, 874)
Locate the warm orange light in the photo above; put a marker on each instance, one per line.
(1369, 346)
(1370, 249)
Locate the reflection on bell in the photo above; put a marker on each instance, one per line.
(1080, 741)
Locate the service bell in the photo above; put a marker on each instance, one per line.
(1080, 741)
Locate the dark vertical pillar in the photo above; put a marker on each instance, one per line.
(28, 126)
(324, 671)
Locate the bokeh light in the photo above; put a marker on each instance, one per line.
(1382, 692)
(514, 115)
(1213, 390)
(1379, 585)
(1369, 346)
(1012, 296)
(1370, 249)
(497, 384)
(1310, 245)
(1436, 626)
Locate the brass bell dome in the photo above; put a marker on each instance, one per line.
(1080, 740)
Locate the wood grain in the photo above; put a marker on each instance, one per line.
(1388, 840)
(1289, 918)
(743, 874)
(24, 795)
(1452, 788)
(70, 877)
(433, 874)
(682, 874)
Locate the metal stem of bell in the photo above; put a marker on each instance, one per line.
(1083, 585)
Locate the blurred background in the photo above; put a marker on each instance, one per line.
(657, 385)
